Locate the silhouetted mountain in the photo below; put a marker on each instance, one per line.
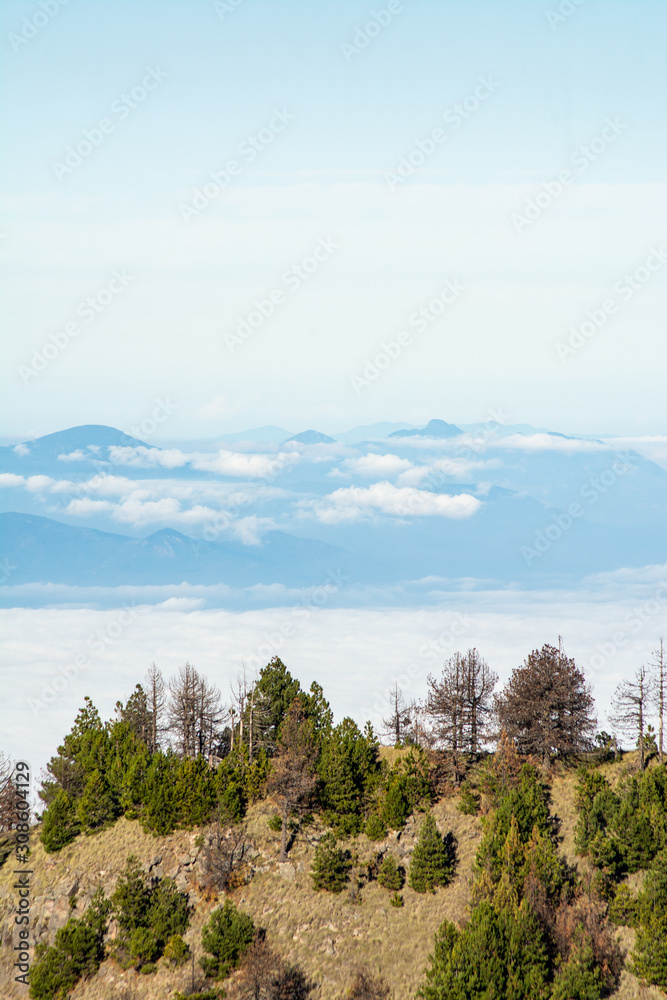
(312, 437)
(433, 429)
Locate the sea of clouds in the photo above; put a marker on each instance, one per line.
(53, 657)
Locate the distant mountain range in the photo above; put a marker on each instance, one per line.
(93, 506)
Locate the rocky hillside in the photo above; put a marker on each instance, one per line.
(330, 936)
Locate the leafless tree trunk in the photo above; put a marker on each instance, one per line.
(195, 712)
(629, 707)
(659, 693)
(157, 700)
(400, 718)
(459, 704)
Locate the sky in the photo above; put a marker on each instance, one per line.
(370, 159)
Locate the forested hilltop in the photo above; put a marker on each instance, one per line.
(486, 844)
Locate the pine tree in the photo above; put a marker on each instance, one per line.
(226, 937)
(431, 865)
(650, 954)
(391, 876)
(546, 707)
(293, 777)
(331, 866)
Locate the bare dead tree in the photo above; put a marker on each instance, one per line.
(239, 699)
(629, 708)
(224, 856)
(479, 681)
(397, 724)
(293, 777)
(658, 666)
(194, 713)
(156, 694)
(458, 705)
(10, 801)
(368, 987)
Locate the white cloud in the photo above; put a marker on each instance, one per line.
(458, 469)
(356, 655)
(548, 442)
(146, 458)
(21, 450)
(73, 456)
(87, 507)
(8, 480)
(233, 463)
(355, 502)
(38, 484)
(651, 446)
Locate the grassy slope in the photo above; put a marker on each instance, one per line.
(326, 934)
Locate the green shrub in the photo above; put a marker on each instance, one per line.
(226, 937)
(468, 800)
(391, 876)
(650, 954)
(275, 823)
(499, 954)
(60, 825)
(397, 900)
(331, 866)
(623, 908)
(176, 951)
(580, 978)
(143, 946)
(375, 828)
(77, 953)
(431, 863)
(148, 915)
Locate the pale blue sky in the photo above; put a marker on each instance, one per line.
(555, 86)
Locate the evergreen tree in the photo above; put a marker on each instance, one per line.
(431, 864)
(77, 952)
(293, 777)
(391, 876)
(331, 866)
(60, 824)
(226, 937)
(276, 690)
(547, 707)
(497, 955)
(650, 954)
(98, 805)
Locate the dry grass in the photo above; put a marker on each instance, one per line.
(330, 936)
